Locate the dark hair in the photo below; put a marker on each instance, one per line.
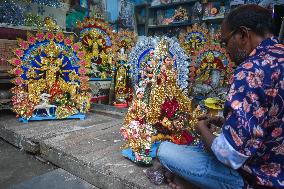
(255, 17)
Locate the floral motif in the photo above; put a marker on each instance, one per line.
(19, 52)
(31, 40)
(255, 122)
(271, 92)
(248, 65)
(49, 35)
(276, 132)
(16, 62)
(24, 45)
(76, 47)
(40, 36)
(253, 97)
(274, 110)
(41, 74)
(246, 106)
(68, 41)
(279, 150)
(259, 112)
(59, 37)
(272, 169)
(241, 75)
(255, 79)
(236, 104)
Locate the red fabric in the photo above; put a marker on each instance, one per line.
(184, 138)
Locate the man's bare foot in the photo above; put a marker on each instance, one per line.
(177, 182)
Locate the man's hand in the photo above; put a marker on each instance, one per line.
(201, 125)
(203, 128)
(218, 121)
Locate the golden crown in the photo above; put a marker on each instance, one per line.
(52, 50)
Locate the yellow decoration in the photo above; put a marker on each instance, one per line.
(120, 84)
(46, 82)
(136, 112)
(167, 89)
(50, 24)
(160, 137)
(97, 40)
(214, 103)
(124, 41)
(193, 39)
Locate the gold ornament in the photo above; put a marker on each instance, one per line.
(193, 39)
(162, 49)
(50, 24)
(97, 39)
(167, 89)
(47, 83)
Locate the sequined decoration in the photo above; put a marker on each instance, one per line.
(51, 3)
(143, 48)
(124, 42)
(193, 39)
(11, 13)
(96, 37)
(50, 77)
(166, 108)
(210, 72)
(33, 20)
(136, 132)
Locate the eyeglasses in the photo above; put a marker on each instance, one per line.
(225, 40)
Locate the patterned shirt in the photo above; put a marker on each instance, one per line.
(252, 137)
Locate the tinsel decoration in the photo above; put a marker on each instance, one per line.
(142, 50)
(50, 77)
(210, 72)
(124, 41)
(136, 132)
(33, 20)
(96, 37)
(51, 3)
(193, 39)
(166, 108)
(140, 54)
(11, 13)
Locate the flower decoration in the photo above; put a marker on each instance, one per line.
(31, 39)
(193, 39)
(81, 54)
(96, 37)
(40, 36)
(210, 71)
(49, 35)
(76, 47)
(124, 39)
(19, 52)
(23, 44)
(59, 36)
(48, 75)
(16, 62)
(68, 41)
(141, 54)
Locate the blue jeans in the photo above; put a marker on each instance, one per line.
(198, 167)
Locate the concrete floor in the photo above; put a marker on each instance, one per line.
(17, 166)
(89, 149)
